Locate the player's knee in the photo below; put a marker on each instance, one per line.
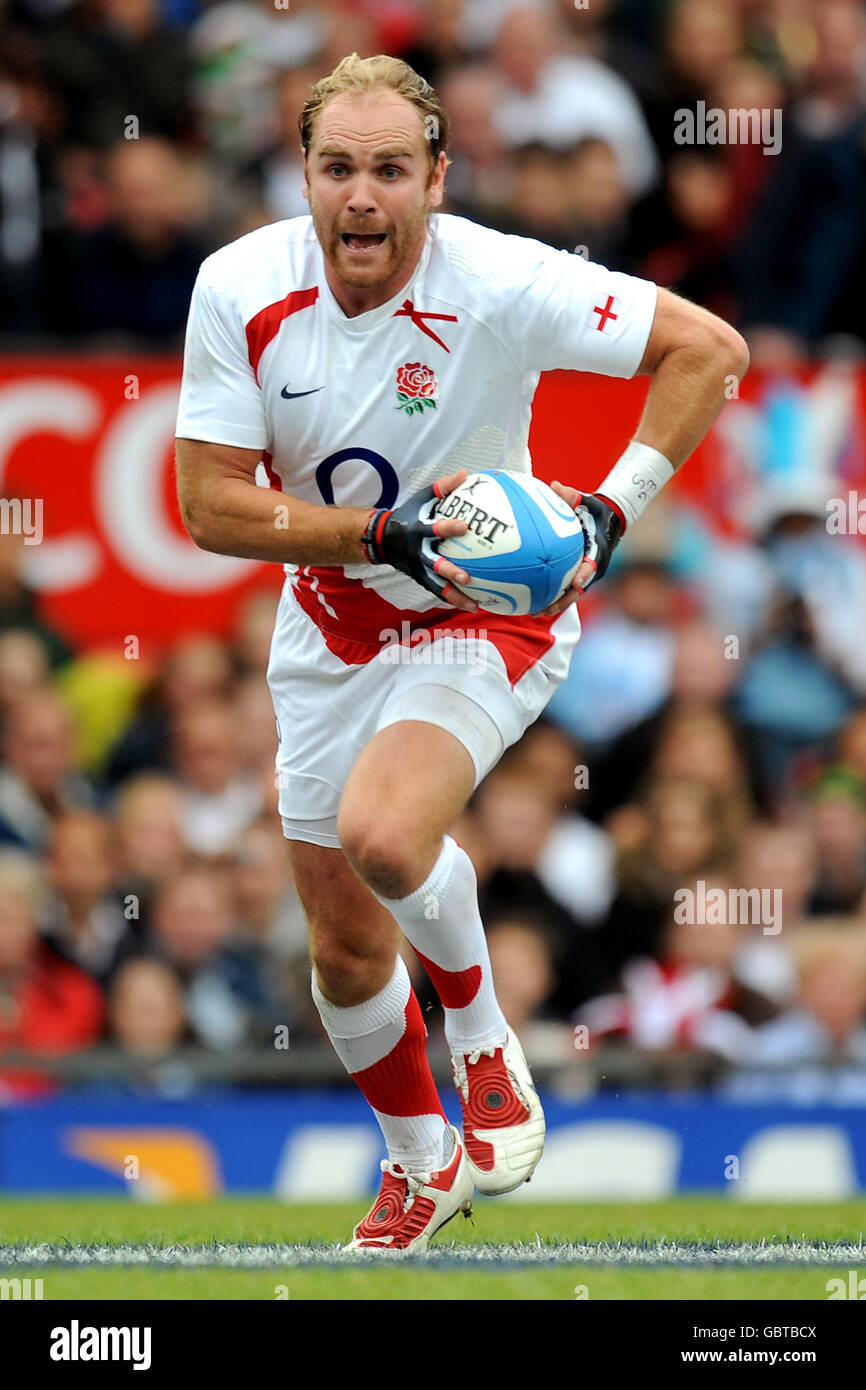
(346, 975)
(380, 852)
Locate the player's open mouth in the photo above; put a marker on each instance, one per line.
(355, 241)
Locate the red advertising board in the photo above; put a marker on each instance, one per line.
(93, 438)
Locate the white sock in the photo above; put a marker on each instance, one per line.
(442, 921)
(383, 1044)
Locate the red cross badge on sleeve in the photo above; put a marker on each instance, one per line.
(605, 313)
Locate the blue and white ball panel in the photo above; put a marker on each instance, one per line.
(524, 544)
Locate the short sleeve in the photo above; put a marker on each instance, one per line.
(220, 399)
(570, 313)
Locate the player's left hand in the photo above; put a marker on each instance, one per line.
(602, 530)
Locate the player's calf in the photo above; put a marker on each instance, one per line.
(503, 1122)
(367, 1006)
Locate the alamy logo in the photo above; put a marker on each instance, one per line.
(739, 126)
(856, 1288)
(714, 907)
(77, 1343)
(20, 1289)
(448, 646)
(22, 517)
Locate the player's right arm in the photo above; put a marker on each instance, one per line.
(222, 434)
(225, 511)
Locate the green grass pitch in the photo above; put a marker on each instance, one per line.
(258, 1248)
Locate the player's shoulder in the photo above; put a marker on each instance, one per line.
(473, 254)
(268, 253)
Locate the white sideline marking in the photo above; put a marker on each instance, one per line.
(232, 1256)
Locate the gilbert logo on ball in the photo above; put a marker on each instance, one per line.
(524, 544)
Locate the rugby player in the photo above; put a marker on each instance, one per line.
(368, 355)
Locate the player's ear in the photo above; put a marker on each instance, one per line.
(437, 180)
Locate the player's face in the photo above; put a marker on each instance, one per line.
(370, 184)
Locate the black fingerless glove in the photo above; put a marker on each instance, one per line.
(602, 528)
(405, 538)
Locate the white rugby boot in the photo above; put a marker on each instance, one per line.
(503, 1122)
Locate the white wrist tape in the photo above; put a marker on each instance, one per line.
(635, 479)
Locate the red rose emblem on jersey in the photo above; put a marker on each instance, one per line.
(416, 388)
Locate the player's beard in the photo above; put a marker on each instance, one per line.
(404, 240)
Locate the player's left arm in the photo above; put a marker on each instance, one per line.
(693, 358)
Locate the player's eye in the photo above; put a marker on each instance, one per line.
(336, 168)
(391, 169)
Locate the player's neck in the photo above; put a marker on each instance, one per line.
(354, 301)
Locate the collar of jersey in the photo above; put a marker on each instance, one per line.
(362, 323)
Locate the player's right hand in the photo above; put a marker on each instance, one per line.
(407, 537)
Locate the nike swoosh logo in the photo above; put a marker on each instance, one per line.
(293, 395)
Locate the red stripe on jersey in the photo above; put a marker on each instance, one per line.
(402, 1083)
(355, 633)
(456, 988)
(521, 642)
(274, 479)
(265, 325)
(352, 619)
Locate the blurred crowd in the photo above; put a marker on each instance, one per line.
(138, 135)
(673, 859)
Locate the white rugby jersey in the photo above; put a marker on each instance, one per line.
(365, 411)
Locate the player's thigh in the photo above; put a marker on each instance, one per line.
(348, 927)
(325, 712)
(452, 709)
(408, 785)
(442, 726)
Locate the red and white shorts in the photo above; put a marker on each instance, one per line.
(483, 677)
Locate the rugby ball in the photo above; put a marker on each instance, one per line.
(524, 543)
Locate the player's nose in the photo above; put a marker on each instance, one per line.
(362, 197)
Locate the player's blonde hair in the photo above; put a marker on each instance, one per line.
(359, 75)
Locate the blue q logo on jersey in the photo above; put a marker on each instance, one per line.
(327, 468)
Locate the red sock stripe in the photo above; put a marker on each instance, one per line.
(456, 988)
(402, 1083)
